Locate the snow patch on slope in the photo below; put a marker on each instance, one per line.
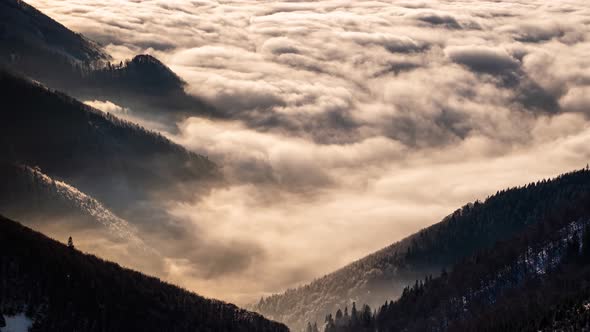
(117, 226)
(535, 261)
(17, 323)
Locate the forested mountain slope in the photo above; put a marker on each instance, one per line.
(37, 46)
(28, 194)
(62, 289)
(535, 281)
(383, 275)
(40, 46)
(117, 162)
(60, 211)
(24, 27)
(142, 84)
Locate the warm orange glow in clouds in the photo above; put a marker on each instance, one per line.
(352, 123)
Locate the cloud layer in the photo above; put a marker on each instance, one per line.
(350, 124)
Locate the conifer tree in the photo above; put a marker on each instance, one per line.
(315, 327)
(586, 246)
(354, 315)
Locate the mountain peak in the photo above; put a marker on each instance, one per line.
(152, 72)
(147, 59)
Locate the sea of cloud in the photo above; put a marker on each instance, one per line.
(350, 124)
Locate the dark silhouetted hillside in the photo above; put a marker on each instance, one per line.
(56, 207)
(115, 161)
(383, 275)
(143, 72)
(23, 26)
(534, 281)
(62, 289)
(41, 47)
(143, 84)
(37, 46)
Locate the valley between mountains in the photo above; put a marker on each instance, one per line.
(326, 165)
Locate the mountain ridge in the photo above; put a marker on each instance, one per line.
(383, 275)
(47, 280)
(113, 160)
(518, 285)
(24, 26)
(35, 45)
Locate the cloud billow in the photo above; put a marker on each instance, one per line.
(346, 125)
(483, 59)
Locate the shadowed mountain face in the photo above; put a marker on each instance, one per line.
(339, 126)
(144, 73)
(61, 289)
(534, 281)
(117, 162)
(383, 275)
(60, 210)
(24, 29)
(37, 46)
(41, 47)
(142, 84)
(28, 194)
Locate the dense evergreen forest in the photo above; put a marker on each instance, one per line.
(35, 45)
(489, 293)
(383, 275)
(517, 261)
(535, 281)
(62, 289)
(113, 160)
(41, 46)
(143, 84)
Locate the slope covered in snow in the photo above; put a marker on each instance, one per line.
(16, 323)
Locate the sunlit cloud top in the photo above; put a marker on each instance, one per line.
(352, 123)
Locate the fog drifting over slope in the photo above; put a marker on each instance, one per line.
(353, 123)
